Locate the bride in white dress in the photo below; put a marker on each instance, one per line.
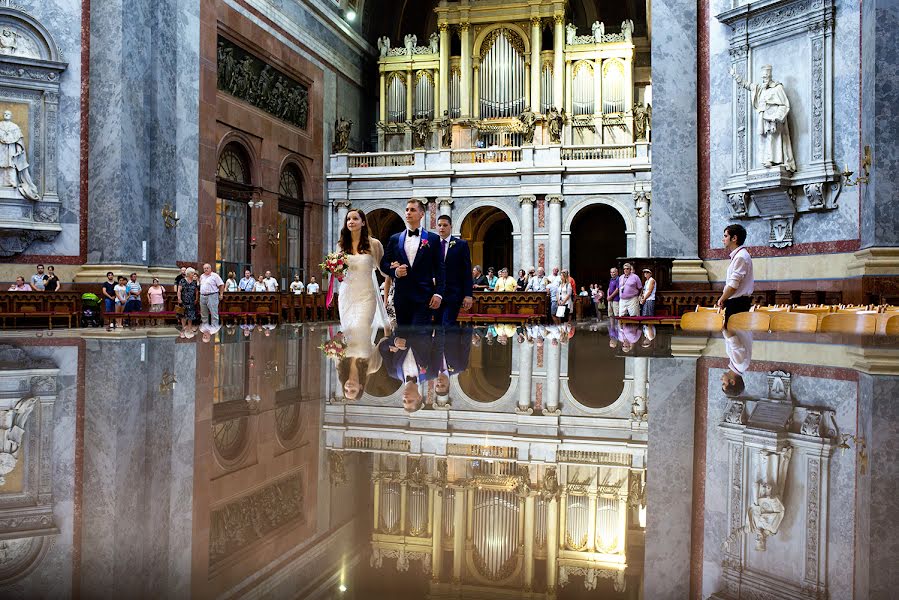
(359, 299)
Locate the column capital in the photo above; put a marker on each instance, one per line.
(559, 18)
(442, 27)
(555, 198)
(535, 21)
(527, 199)
(463, 27)
(444, 200)
(342, 204)
(420, 199)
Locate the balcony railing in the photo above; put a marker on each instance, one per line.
(599, 152)
(381, 159)
(486, 155)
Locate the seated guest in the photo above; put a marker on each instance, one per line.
(504, 283)
(491, 278)
(480, 280)
(20, 286)
(583, 293)
(523, 279)
(312, 287)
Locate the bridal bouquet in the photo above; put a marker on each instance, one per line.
(336, 264)
(334, 348)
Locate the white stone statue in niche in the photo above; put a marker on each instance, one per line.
(12, 429)
(14, 160)
(767, 509)
(772, 105)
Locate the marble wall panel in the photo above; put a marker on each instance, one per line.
(790, 61)
(880, 121)
(669, 480)
(63, 19)
(675, 211)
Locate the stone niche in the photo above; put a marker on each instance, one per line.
(796, 39)
(30, 70)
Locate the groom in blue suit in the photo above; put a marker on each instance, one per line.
(412, 258)
(459, 282)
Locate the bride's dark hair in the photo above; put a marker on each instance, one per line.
(343, 373)
(346, 238)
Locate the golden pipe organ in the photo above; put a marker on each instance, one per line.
(503, 70)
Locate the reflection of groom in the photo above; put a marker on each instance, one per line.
(457, 265)
(412, 257)
(412, 357)
(456, 347)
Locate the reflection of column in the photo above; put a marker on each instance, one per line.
(529, 542)
(558, 58)
(437, 533)
(445, 207)
(553, 351)
(536, 43)
(343, 207)
(622, 525)
(527, 230)
(525, 375)
(465, 75)
(552, 544)
(382, 109)
(458, 533)
(591, 522)
(641, 379)
(410, 92)
(641, 204)
(554, 258)
(444, 69)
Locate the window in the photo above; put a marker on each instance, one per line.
(232, 215)
(290, 229)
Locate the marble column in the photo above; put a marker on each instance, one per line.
(525, 377)
(529, 536)
(444, 69)
(553, 351)
(436, 524)
(465, 75)
(476, 87)
(527, 230)
(445, 206)
(675, 173)
(458, 533)
(641, 204)
(343, 207)
(554, 253)
(536, 43)
(552, 544)
(558, 58)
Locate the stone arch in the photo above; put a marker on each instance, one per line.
(625, 399)
(247, 146)
(297, 161)
(38, 43)
(370, 205)
(459, 217)
(23, 555)
(627, 212)
(525, 38)
(231, 441)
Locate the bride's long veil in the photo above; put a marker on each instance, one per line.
(381, 319)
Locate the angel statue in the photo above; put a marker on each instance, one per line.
(599, 30)
(434, 42)
(570, 32)
(384, 45)
(409, 42)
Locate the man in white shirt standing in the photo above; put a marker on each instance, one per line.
(737, 294)
(538, 282)
(271, 284)
(312, 286)
(211, 289)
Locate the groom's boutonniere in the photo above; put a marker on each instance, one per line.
(424, 242)
(452, 243)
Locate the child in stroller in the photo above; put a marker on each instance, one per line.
(91, 311)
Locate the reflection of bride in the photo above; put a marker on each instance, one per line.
(359, 300)
(360, 359)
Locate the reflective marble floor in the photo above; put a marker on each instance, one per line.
(492, 463)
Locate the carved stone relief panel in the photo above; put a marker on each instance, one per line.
(30, 70)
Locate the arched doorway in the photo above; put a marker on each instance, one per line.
(489, 234)
(233, 186)
(598, 239)
(489, 371)
(383, 223)
(595, 373)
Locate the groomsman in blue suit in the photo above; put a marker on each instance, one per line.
(457, 268)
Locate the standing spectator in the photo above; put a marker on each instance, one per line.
(629, 286)
(271, 284)
(180, 278)
(522, 280)
(20, 286)
(612, 293)
(121, 297)
(51, 281)
(596, 295)
(108, 292)
(584, 293)
(555, 277)
(480, 280)
(737, 294)
(648, 298)
(188, 296)
(156, 298)
(247, 283)
(566, 297)
(504, 283)
(296, 286)
(491, 278)
(37, 280)
(312, 287)
(259, 283)
(231, 283)
(572, 282)
(552, 288)
(211, 288)
(537, 283)
(133, 287)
